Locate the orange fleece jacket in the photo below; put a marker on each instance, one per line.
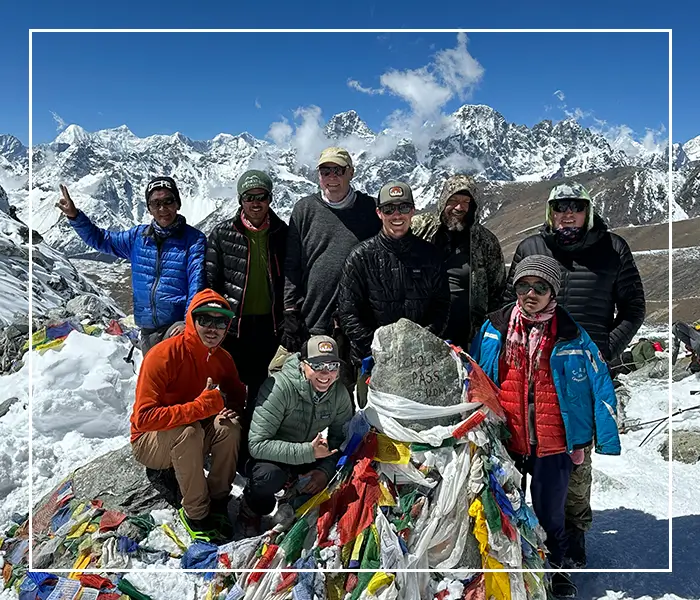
(170, 388)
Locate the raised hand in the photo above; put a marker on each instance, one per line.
(66, 204)
(320, 446)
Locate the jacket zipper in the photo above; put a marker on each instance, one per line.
(271, 281)
(245, 285)
(313, 418)
(156, 281)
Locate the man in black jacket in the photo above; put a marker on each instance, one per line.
(323, 229)
(391, 276)
(602, 289)
(245, 259)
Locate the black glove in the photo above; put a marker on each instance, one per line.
(294, 332)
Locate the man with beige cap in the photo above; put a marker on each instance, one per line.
(391, 276)
(323, 229)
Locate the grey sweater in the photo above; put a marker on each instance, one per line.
(319, 240)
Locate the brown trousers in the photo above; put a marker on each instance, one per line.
(184, 448)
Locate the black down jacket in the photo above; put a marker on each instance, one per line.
(384, 280)
(227, 264)
(599, 277)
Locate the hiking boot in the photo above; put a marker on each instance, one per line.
(219, 506)
(562, 586)
(576, 553)
(201, 530)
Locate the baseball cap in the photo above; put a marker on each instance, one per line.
(395, 192)
(214, 307)
(337, 156)
(321, 349)
(253, 179)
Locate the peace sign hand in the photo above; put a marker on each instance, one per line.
(66, 204)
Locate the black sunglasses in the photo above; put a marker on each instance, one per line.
(326, 171)
(212, 322)
(561, 206)
(325, 366)
(263, 197)
(541, 288)
(404, 208)
(169, 201)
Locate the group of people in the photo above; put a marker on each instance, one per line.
(302, 301)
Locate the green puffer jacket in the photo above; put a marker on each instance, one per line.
(286, 420)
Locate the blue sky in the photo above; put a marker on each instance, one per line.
(210, 83)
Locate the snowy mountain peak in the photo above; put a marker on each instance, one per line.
(73, 134)
(12, 149)
(348, 124)
(692, 149)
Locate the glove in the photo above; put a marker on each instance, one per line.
(577, 456)
(294, 332)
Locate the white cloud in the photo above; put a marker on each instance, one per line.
(257, 103)
(453, 72)
(60, 123)
(356, 85)
(280, 132)
(559, 94)
(309, 138)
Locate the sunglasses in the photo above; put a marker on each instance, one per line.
(389, 209)
(209, 321)
(162, 202)
(326, 366)
(561, 206)
(326, 171)
(540, 288)
(264, 197)
(162, 183)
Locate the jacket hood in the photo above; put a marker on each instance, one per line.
(204, 297)
(459, 183)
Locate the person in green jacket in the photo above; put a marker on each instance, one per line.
(642, 352)
(286, 443)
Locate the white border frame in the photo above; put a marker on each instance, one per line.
(456, 571)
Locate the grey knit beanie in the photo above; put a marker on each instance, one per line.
(539, 265)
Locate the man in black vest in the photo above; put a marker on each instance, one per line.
(245, 261)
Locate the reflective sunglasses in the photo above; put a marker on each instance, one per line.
(389, 209)
(209, 321)
(337, 170)
(169, 201)
(162, 183)
(325, 366)
(574, 205)
(263, 197)
(540, 287)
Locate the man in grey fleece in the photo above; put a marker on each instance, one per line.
(323, 229)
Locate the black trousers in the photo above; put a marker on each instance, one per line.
(151, 337)
(266, 478)
(682, 332)
(252, 352)
(549, 486)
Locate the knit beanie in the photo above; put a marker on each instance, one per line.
(539, 265)
(163, 183)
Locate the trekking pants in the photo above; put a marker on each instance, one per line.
(578, 501)
(548, 489)
(184, 448)
(265, 479)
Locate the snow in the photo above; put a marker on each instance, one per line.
(82, 399)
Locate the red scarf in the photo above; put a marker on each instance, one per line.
(521, 344)
(248, 225)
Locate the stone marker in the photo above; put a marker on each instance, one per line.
(413, 363)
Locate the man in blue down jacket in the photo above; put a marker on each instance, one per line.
(167, 259)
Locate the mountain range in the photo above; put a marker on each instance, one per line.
(106, 171)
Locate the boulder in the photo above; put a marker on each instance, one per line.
(89, 306)
(120, 482)
(686, 447)
(681, 369)
(654, 369)
(412, 362)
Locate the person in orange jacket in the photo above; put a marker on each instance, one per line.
(188, 401)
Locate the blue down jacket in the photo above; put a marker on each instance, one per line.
(165, 274)
(586, 395)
